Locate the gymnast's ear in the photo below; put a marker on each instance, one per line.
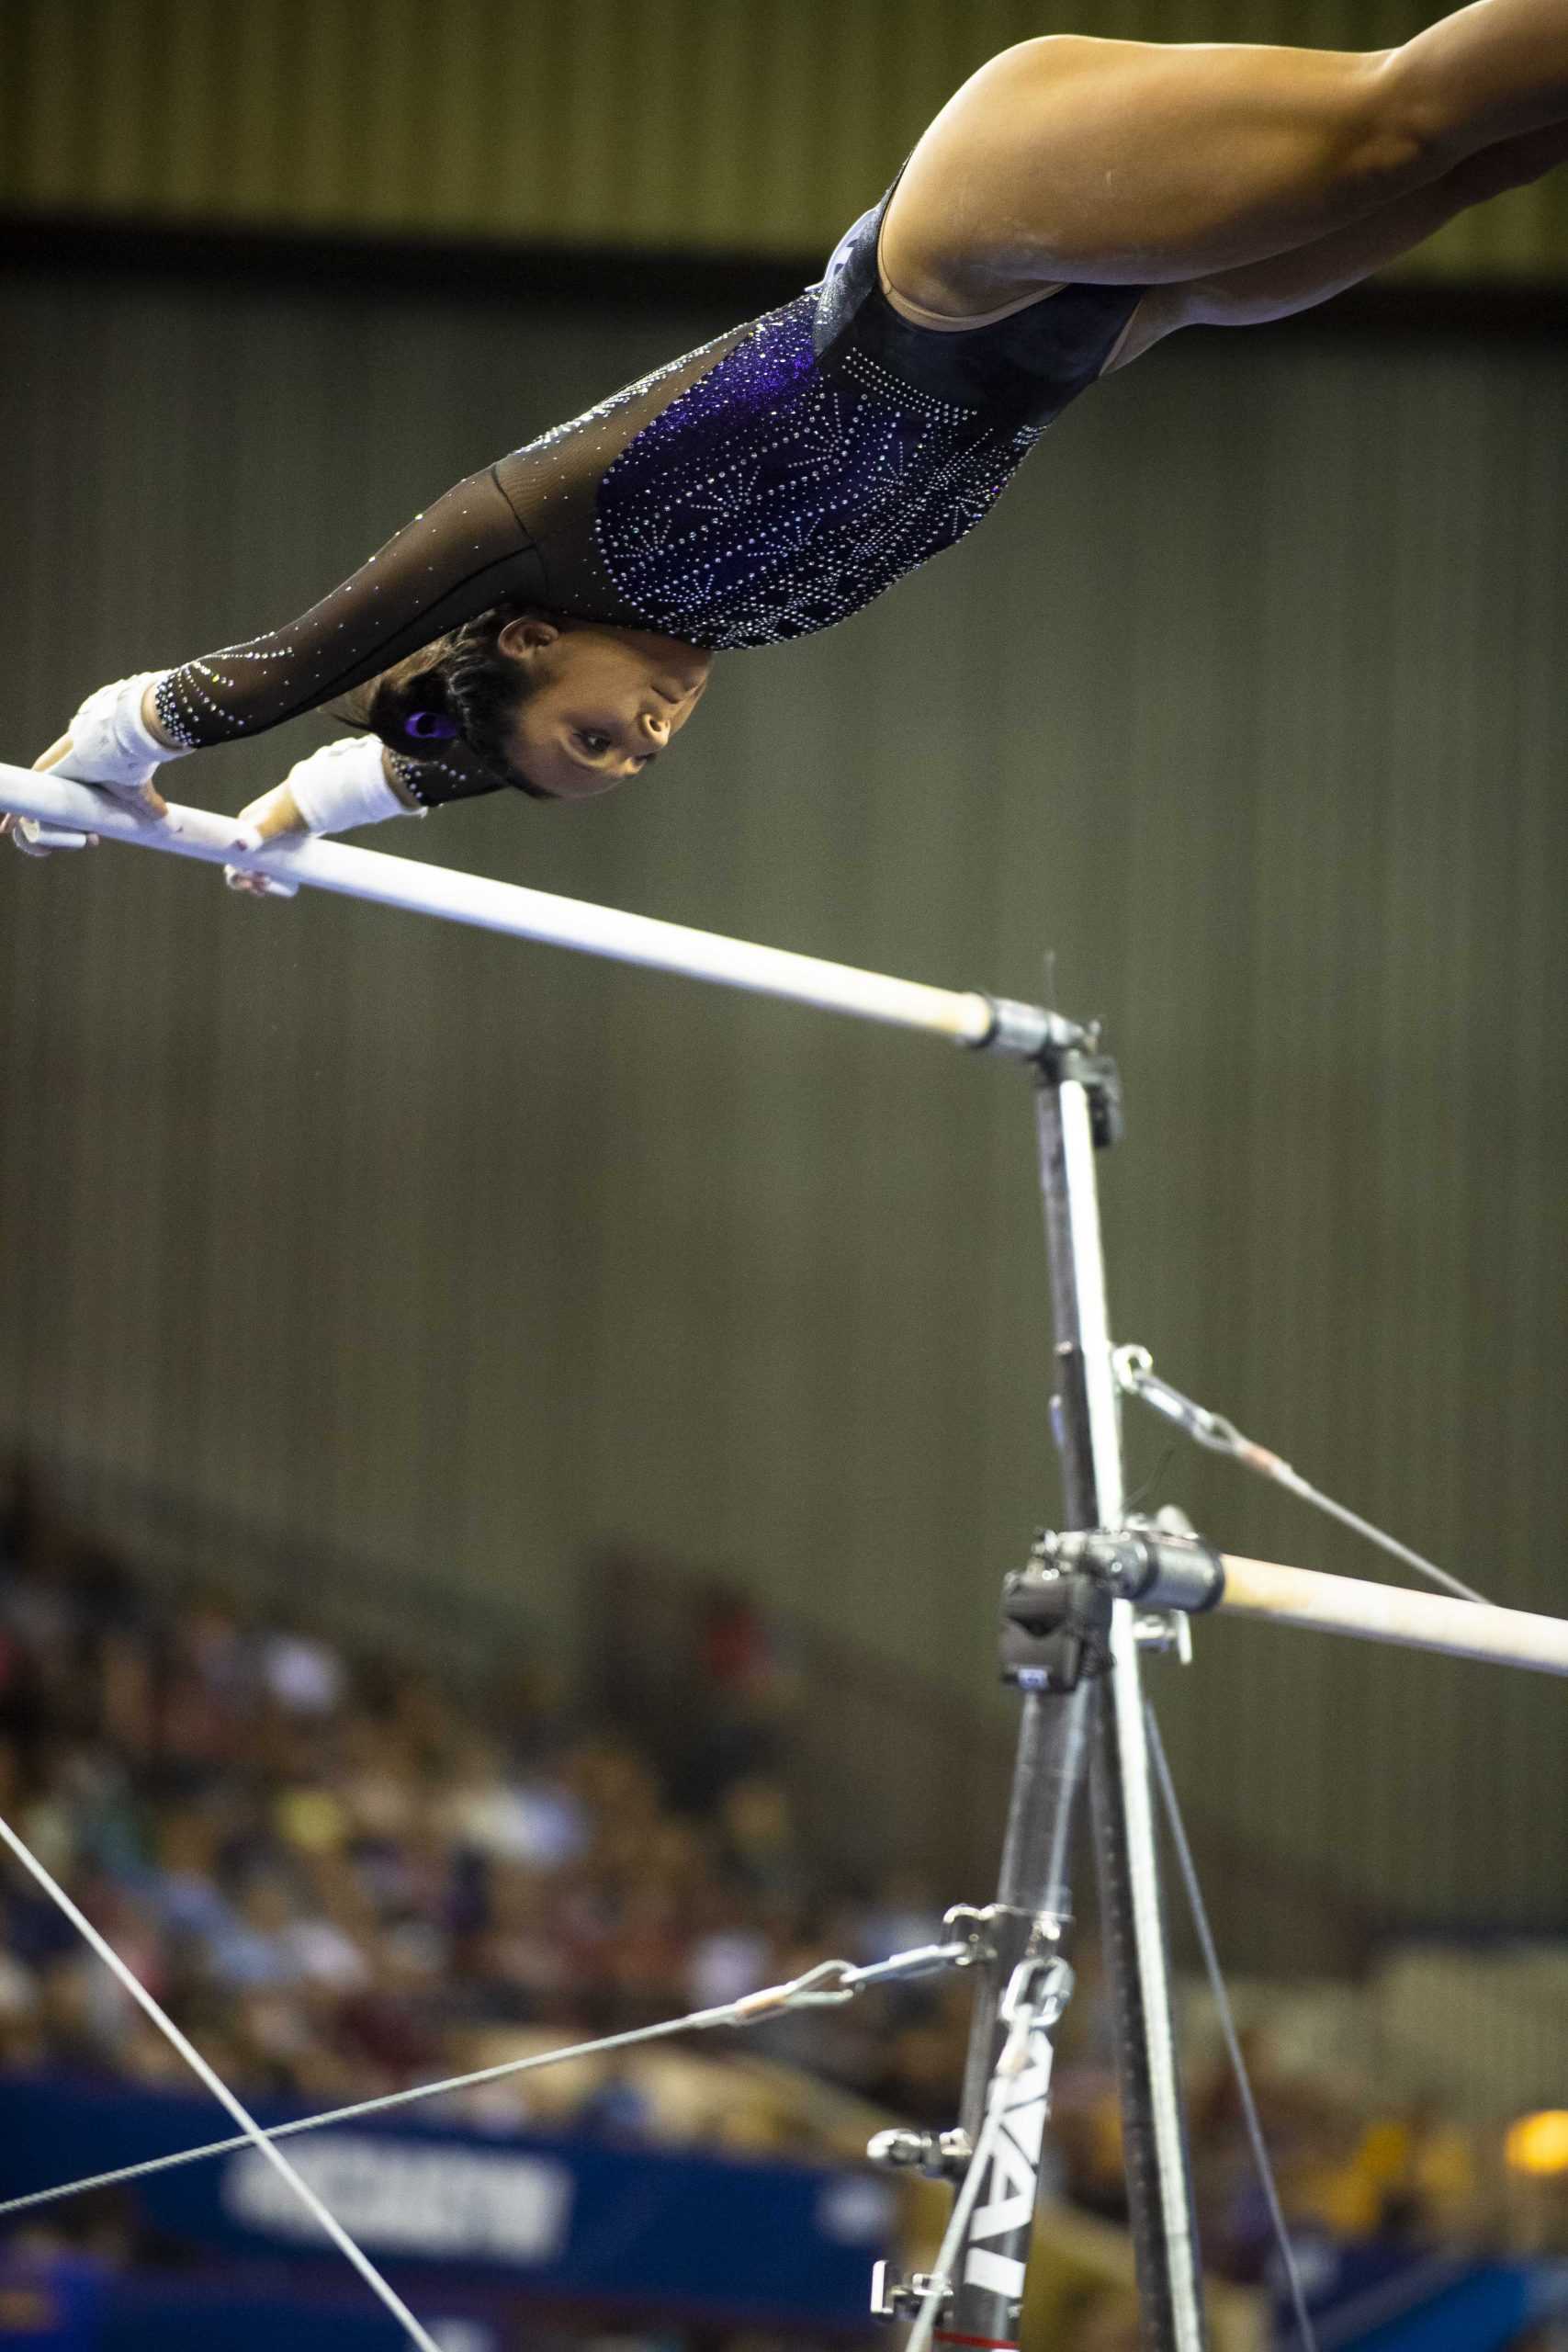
(527, 633)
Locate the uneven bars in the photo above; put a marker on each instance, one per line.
(964, 1017)
(1253, 1588)
(1387, 1612)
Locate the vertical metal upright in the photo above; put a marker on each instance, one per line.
(1096, 1730)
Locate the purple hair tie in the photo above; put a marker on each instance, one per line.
(425, 724)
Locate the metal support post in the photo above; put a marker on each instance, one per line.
(1159, 2193)
(1062, 1730)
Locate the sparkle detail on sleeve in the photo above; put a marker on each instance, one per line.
(763, 487)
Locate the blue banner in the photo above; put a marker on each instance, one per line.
(1372, 2298)
(570, 2222)
(63, 2305)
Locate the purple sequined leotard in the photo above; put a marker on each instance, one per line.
(764, 486)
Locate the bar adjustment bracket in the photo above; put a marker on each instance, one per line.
(1075, 1059)
(1057, 1611)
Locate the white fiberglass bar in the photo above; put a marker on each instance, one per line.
(1385, 1612)
(965, 1017)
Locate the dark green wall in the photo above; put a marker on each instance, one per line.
(1247, 702)
(752, 126)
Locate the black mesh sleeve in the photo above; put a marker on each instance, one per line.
(453, 773)
(465, 552)
(522, 530)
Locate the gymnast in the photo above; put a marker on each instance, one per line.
(550, 624)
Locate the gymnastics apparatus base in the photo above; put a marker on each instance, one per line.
(1077, 1618)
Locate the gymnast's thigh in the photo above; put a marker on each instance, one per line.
(1129, 162)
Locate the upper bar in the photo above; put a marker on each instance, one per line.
(1388, 1612)
(965, 1017)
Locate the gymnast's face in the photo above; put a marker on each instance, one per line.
(602, 703)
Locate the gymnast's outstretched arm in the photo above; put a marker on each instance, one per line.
(462, 554)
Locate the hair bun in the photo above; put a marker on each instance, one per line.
(410, 708)
(426, 726)
(424, 715)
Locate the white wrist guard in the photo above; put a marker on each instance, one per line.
(111, 743)
(344, 784)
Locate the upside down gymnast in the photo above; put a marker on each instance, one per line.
(550, 624)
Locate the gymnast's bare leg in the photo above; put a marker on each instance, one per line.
(1127, 162)
(1311, 274)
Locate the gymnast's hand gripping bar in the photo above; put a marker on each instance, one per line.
(964, 1017)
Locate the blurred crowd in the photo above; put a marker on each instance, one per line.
(341, 1876)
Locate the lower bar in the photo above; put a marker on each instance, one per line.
(1389, 1612)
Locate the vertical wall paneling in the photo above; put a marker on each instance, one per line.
(655, 125)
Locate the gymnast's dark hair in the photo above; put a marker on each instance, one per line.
(460, 685)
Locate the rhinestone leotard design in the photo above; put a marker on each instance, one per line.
(765, 486)
(776, 497)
